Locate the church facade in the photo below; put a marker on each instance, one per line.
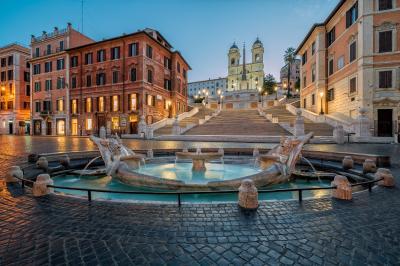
(244, 76)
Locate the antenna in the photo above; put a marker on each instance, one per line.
(82, 16)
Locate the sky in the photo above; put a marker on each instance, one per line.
(202, 30)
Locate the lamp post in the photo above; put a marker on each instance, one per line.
(259, 94)
(206, 96)
(169, 108)
(222, 100)
(321, 94)
(219, 94)
(276, 92)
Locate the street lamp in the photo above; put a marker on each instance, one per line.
(207, 97)
(259, 94)
(169, 108)
(321, 94)
(219, 95)
(276, 92)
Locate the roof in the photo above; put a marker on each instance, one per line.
(15, 46)
(333, 12)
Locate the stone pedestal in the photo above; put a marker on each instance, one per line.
(363, 124)
(176, 129)
(338, 134)
(65, 161)
(103, 133)
(150, 133)
(40, 185)
(388, 179)
(369, 166)
(343, 188)
(347, 163)
(150, 153)
(42, 163)
(132, 161)
(299, 124)
(142, 127)
(248, 195)
(13, 174)
(199, 165)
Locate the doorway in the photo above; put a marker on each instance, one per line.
(10, 128)
(385, 123)
(133, 124)
(60, 127)
(48, 128)
(101, 122)
(74, 126)
(37, 127)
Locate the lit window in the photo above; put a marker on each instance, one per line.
(133, 102)
(101, 104)
(88, 105)
(115, 123)
(74, 106)
(89, 124)
(60, 105)
(115, 104)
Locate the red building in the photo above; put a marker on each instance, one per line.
(49, 82)
(115, 81)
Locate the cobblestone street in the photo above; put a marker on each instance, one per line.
(61, 230)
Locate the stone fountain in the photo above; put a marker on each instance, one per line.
(199, 159)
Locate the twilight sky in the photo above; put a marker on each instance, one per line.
(202, 30)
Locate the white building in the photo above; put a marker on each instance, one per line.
(210, 85)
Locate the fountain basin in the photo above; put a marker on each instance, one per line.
(199, 159)
(133, 161)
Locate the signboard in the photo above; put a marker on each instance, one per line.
(123, 122)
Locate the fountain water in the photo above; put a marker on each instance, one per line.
(82, 172)
(312, 167)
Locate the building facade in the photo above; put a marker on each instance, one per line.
(197, 88)
(14, 90)
(245, 76)
(294, 74)
(50, 80)
(116, 81)
(352, 61)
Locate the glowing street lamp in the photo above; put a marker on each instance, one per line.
(276, 92)
(321, 94)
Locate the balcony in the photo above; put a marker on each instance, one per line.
(46, 113)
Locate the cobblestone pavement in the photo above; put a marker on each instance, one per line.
(61, 230)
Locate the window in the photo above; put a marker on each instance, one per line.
(28, 90)
(167, 62)
(3, 62)
(178, 67)
(149, 51)
(150, 100)
(60, 105)
(73, 82)
(101, 56)
(11, 60)
(38, 107)
(340, 63)
(185, 74)
(167, 84)
(3, 76)
(330, 36)
(60, 83)
(61, 45)
(352, 15)
(88, 105)
(133, 74)
(60, 64)
(46, 106)
(10, 74)
(150, 76)
(100, 104)
(304, 58)
(385, 4)
(312, 99)
(133, 102)
(115, 103)
(88, 58)
(304, 81)
(74, 106)
(115, 75)
(385, 41)
(100, 79)
(353, 85)
(330, 67)
(313, 73)
(74, 61)
(48, 66)
(89, 124)
(353, 51)
(88, 81)
(36, 69)
(133, 49)
(385, 79)
(313, 48)
(37, 86)
(48, 49)
(115, 123)
(37, 51)
(115, 53)
(48, 84)
(331, 95)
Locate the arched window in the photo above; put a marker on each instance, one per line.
(232, 61)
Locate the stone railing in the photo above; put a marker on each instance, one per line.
(169, 121)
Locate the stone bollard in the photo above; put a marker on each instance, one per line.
(347, 163)
(13, 174)
(338, 134)
(388, 179)
(248, 195)
(42, 163)
(40, 185)
(256, 152)
(299, 124)
(221, 151)
(65, 161)
(343, 188)
(369, 166)
(150, 153)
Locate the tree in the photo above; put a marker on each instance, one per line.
(269, 84)
(289, 57)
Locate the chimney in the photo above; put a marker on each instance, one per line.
(69, 26)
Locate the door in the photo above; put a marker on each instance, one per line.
(101, 122)
(37, 125)
(133, 124)
(48, 124)
(10, 128)
(74, 126)
(60, 127)
(385, 123)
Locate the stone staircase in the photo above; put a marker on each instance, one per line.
(167, 130)
(284, 116)
(238, 122)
